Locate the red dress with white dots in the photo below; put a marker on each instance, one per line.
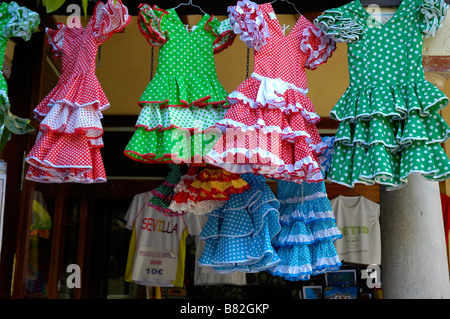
(68, 143)
(270, 127)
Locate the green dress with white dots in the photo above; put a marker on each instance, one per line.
(184, 99)
(15, 21)
(389, 121)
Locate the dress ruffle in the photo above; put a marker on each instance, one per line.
(163, 194)
(269, 131)
(238, 235)
(23, 22)
(223, 32)
(248, 21)
(387, 126)
(180, 92)
(202, 192)
(305, 242)
(319, 52)
(171, 145)
(432, 14)
(109, 18)
(149, 21)
(50, 162)
(339, 26)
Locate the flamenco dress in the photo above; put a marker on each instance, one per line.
(184, 99)
(201, 192)
(238, 235)
(269, 128)
(305, 243)
(67, 147)
(390, 126)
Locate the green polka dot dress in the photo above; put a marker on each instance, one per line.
(389, 121)
(15, 21)
(185, 99)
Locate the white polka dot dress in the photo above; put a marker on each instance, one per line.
(270, 126)
(389, 121)
(67, 147)
(238, 235)
(305, 243)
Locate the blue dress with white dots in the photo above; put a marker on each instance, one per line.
(305, 243)
(238, 235)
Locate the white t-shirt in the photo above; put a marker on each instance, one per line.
(358, 218)
(157, 249)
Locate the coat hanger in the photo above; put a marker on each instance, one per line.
(189, 4)
(286, 1)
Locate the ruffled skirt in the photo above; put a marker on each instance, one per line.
(387, 133)
(67, 147)
(238, 235)
(202, 192)
(269, 130)
(176, 123)
(305, 243)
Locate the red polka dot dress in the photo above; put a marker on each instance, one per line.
(67, 148)
(270, 127)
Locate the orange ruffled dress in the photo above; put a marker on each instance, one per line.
(202, 192)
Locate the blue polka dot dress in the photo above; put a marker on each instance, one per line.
(305, 243)
(238, 235)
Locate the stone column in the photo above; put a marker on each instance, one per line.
(414, 257)
(414, 254)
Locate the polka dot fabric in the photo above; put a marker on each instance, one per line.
(163, 194)
(305, 243)
(389, 121)
(185, 99)
(202, 192)
(238, 235)
(15, 21)
(67, 147)
(270, 127)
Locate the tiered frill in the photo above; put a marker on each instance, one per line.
(388, 132)
(176, 122)
(163, 194)
(68, 144)
(16, 21)
(203, 192)
(238, 235)
(270, 127)
(305, 243)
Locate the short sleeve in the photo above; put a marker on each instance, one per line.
(223, 32)
(55, 38)
(248, 21)
(318, 46)
(432, 14)
(109, 18)
(135, 208)
(340, 25)
(149, 23)
(22, 23)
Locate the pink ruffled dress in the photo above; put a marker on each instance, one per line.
(270, 127)
(67, 147)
